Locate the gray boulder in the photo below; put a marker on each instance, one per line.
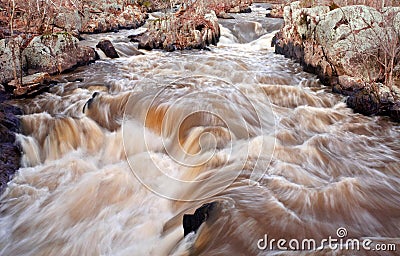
(56, 53)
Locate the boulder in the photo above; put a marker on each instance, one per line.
(108, 48)
(349, 36)
(224, 15)
(150, 40)
(56, 53)
(195, 33)
(192, 222)
(364, 101)
(38, 78)
(102, 17)
(31, 83)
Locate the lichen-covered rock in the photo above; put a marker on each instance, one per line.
(108, 48)
(110, 17)
(69, 20)
(56, 53)
(10, 59)
(10, 152)
(341, 46)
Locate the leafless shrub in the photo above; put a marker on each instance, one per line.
(384, 36)
(387, 53)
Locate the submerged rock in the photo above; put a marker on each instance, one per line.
(108, 48)
(10, 152)
(56, 53)
(276, 11)
(192, 222)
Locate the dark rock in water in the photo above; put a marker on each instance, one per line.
(10, 152)
(246, 10)
(108, 48)
(192, 222)
(9, 163)
(135, 37)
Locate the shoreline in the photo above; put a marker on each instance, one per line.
(345, 53)
(292, 47)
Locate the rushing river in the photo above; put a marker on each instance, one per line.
(120, 150)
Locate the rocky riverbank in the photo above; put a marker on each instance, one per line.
(10, 152)
(354, 49)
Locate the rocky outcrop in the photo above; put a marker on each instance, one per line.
(10, 59)
(100, 16)
(343, 47)
(179, 33)
(10, 152)
(56, 53)
(108, 48)
(30, 84)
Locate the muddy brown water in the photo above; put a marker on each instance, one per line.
(167, 132)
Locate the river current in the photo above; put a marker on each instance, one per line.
(118, 151)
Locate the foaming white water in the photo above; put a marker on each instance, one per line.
(87, 202)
